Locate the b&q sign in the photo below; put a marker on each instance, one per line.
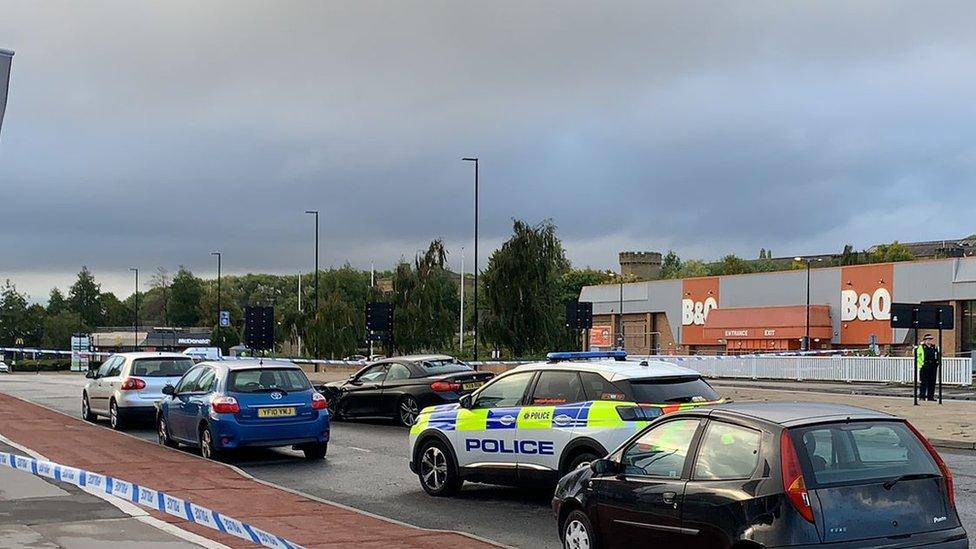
(699, 297)
(865, 303)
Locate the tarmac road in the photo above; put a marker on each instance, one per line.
(367, 469)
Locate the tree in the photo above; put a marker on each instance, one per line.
(425, 301)
(56, 302)
(671, 265)
(159, 306)
(83, 298)
(730, 265)
(13, 316)
(224, 337)
(886, 253)
(59, 328)
(34, 326)
(521, 290)
(114, 312)
(849, 256)
(331, 328)
(693, 268)
(184, 301)
(762, 253)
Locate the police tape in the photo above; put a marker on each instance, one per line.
(146, 497)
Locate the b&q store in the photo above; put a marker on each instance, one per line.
(766, 312)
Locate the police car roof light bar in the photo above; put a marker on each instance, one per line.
(586, 355)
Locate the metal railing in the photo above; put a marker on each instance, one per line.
(955, 371)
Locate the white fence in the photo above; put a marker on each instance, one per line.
(955, 371)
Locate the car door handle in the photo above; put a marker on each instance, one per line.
(670, 498)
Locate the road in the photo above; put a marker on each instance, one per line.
(367, 469)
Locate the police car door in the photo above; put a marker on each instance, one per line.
(485, 432)
(546, 424)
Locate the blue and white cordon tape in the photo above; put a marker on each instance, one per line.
(147, 497)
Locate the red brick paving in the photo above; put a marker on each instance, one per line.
(73, 442)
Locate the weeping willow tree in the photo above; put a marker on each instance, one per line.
(525, 310)
(425, 301)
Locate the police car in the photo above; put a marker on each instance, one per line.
(539, 421)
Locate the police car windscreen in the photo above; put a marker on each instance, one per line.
(445, 366)
(672, 390)
(161, 367)
(262, 380)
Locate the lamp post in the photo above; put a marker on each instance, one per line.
(475, 160)
(461, 327)
(809, 262)
(135, 324)
(316, 214)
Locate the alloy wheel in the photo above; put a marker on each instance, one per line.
(85, 410)
(114, 415)
(576, 536)
(409, 410)
(161, 432)
(206, 444)
(433, 468)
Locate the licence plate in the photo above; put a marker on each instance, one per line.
(276, 412)
(471, 386)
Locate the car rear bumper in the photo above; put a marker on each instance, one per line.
(954, 538)
(142, 411)
(232, 434)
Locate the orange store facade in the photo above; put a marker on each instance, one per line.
(850, 307)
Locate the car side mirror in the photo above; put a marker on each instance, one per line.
(169, 390)
(465, 401)
(91, 374)
(604, 466)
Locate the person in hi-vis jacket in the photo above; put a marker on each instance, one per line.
(928, 359)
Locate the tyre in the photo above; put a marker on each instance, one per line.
(315, 450)
(86, 412)
(437, 471)
(578, 460)
(578, 533)
(116, 417)
(407, 411)
(208, 447)
(162, 433)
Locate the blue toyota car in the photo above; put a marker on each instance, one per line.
(221, 406)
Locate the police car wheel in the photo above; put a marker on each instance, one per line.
(579, 460)
(407, 411)
(578, 532)
(437, 473)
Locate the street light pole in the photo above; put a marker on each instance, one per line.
(218, 286)
(809, 262)
(461, 327)
(475, 160)
(316, 214)
(135, 325)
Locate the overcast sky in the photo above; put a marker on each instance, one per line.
(151, 133)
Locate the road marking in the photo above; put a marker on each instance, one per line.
(360, 449)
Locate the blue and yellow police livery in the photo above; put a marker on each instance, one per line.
(540, 421)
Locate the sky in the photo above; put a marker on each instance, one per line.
(145, 134)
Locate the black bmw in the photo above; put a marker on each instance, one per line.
(756, 475)
(398, 388)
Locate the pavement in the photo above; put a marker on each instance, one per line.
(45, 514)
(300, 519)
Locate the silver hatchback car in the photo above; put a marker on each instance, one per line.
(127, 386)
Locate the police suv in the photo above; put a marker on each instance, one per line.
(539, 421)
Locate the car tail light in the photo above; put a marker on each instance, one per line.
(225, 405)
(319, 402)
(950, 484)
(132, 384)
(445, 387)
(793, 482)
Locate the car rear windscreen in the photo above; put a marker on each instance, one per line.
(263, 380)
(675, 390)
(445, 366)
(161, 367)
(861, 452)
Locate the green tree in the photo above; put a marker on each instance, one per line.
(670, 265)
(83, 298)
(224, 337)
(56, 302)
(59, 328)
(425, 301)
(34, 330)
(114, 312)
(693, 268)
(156, 302)
(729, 265)
(886, 253)
(184, 301)
(13, 315)
(849, 256)
(521, 289)
(332, 328)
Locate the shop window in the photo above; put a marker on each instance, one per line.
(967, 333)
